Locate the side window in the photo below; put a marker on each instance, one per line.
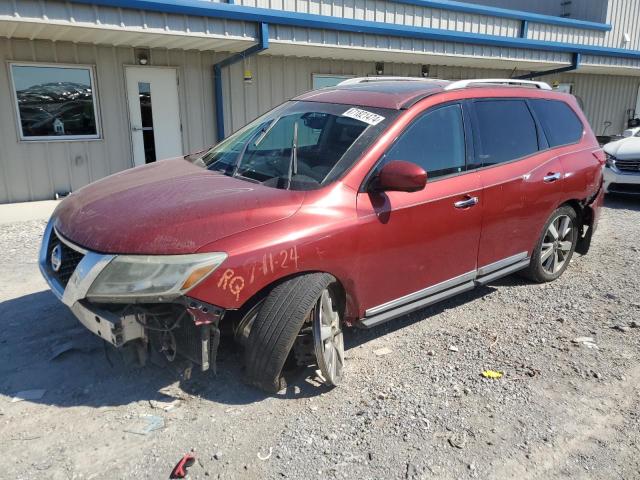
(505, 131)
(435, 141)
(560, 123)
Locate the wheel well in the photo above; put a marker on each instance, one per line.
(585, 221)
(576, 205)
(237, 315)
(583, 211)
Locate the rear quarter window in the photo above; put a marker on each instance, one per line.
(560, 123)
(505, 130)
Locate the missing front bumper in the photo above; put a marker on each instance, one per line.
(110, 326)
(188, 329)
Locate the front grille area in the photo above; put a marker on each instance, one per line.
(628, 165)
(70, 260)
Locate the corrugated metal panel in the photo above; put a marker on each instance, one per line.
(36, 170)
(556, 33)
(624, 16)
(610, 62)
(329, 38)
(543, 7)
(591, 10)
(68, 21)
(397, 13)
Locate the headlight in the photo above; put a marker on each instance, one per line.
(156, 276)
(611, 160)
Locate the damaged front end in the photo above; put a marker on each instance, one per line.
(139, 301)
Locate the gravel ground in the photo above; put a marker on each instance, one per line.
(413, 403)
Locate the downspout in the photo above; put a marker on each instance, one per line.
(263, 44)
(575, 64)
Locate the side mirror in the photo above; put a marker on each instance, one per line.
(400, 176)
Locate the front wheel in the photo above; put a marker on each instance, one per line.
(306, 300)
(555, 247)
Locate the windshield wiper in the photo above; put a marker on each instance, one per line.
(293, 160)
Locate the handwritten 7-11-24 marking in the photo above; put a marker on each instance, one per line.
(271, 262)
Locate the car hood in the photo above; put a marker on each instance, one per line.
(625, 149)
(169, 207)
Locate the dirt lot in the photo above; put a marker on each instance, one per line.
(413, 404)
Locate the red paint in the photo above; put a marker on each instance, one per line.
(401, 176)
(380, 245)
(168, 207)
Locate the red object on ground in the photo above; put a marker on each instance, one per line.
(180, 470)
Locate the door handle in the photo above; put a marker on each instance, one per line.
(551, 177)
(466, 203)
(136, 129)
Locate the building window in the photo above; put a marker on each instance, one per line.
(55, 102)
(320, 80)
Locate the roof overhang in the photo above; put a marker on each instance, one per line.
(112, 35)
(277, 47)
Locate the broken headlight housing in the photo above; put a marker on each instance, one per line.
(152, 277)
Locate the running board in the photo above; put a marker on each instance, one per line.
(490, 277)
(487, 274)
(417, 305)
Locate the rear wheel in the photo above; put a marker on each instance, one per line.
(281, 316)
(555, 248)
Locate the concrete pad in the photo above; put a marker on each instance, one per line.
(26, 211)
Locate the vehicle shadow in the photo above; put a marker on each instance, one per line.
(622, 202)
(42, 346)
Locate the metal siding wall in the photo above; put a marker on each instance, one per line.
(36, 170)
(396, 13)
(624, 16)
(591, 10)
(611, 62)
(328, 38)
(543, 7)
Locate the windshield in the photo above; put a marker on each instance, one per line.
(298, 145)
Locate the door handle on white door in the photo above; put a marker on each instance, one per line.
(136, 129)
(551, 177)
(466, 203)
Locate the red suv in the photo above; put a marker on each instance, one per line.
(347, 206)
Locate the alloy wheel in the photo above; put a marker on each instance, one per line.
(557, 244)
(328, 339)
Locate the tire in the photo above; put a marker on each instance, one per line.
(276, 327)
(541, 269)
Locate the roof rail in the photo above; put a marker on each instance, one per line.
(353, 81)
(500, 81)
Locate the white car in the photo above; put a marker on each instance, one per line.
(622, 172)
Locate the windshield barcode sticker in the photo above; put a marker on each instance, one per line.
(364, 116)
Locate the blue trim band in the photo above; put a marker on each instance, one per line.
(262, 44)
(305, 20)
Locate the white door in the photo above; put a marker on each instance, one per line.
(154, 112)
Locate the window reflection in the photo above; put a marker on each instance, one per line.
(55, 101)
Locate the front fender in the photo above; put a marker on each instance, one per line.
(260, 258)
